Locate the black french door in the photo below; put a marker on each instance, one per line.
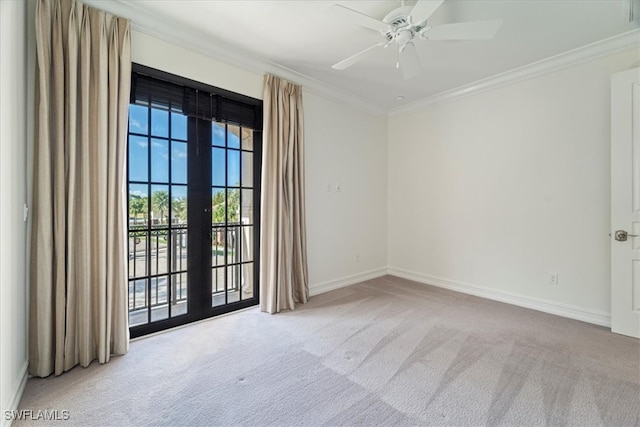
(194, 198)
(224, 207)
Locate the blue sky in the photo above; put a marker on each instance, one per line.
(160, 156)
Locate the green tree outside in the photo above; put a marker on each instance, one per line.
(218, 206)
(137, 207)
(179, 207)
(160, 203)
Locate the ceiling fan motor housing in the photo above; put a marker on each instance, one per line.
(401, 29)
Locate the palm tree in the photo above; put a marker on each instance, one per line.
(179, 207)
(137, 205)
(231, 207)
(160, 202)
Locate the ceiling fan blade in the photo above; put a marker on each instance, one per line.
(424, 9)
(358, 18)
(477, 30)
(409, 61)
(346, 63)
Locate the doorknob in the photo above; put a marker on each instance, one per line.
(621, 235)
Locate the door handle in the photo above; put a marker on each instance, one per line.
(621, 235)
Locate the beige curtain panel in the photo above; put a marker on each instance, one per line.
(78, 298)
(283, 242)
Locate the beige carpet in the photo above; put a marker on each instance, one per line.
(384, 352)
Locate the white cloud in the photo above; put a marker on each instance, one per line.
(135, 125)
(179, 154)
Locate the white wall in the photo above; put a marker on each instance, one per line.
(342, 146)
(13, 188)
(156, 53)
(348, 148)
(498, 189)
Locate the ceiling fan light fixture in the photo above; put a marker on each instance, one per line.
(403, 37)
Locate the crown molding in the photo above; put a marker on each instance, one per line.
(536, 69)
(159, 27)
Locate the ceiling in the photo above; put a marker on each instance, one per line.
(304, 38)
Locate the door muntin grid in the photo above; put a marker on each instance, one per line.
(157, 205)
(173, 224)
(233, 213)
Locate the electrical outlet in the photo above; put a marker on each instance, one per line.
(552, 278)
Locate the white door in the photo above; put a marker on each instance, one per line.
(625, 203)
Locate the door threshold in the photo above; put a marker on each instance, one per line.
(208, 319)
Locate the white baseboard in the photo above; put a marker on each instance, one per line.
(330, 285)
(552, 307)
(17, 396)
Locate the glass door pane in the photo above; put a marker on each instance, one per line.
(157, 226)
(232, 214)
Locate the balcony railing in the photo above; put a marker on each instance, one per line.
(150, 291)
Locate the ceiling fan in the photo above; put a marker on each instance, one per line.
(408, 24)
